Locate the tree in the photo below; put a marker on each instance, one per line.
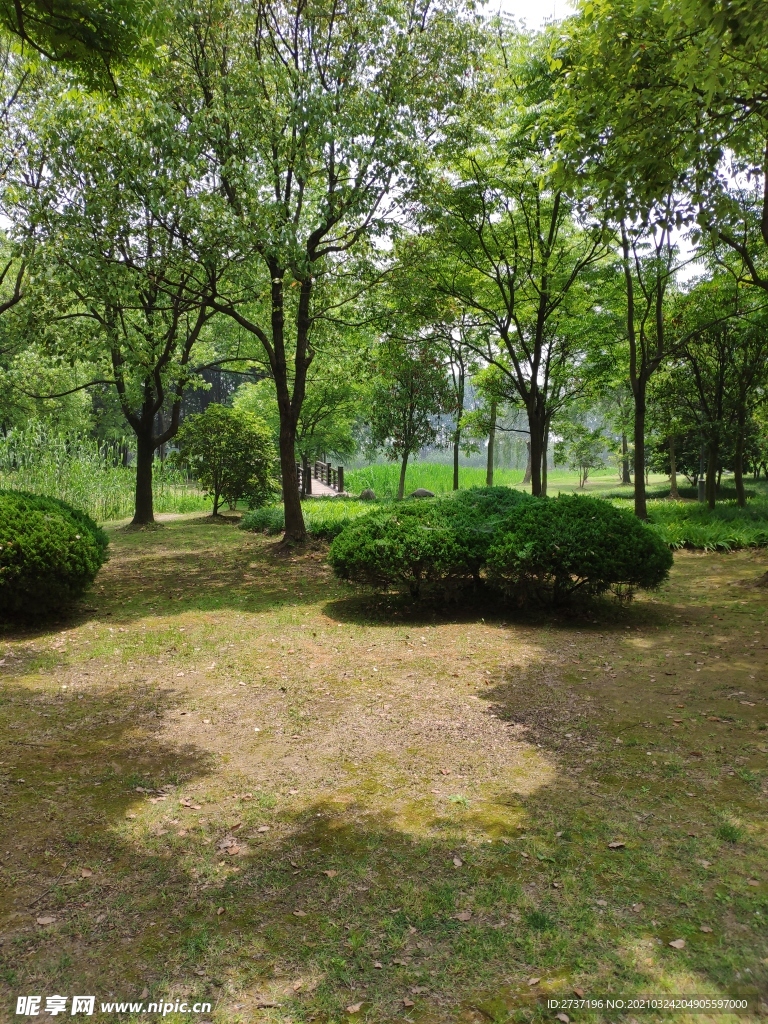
(720, 372)
(232, 455)
(409, 391)
(106, 189)
(329, 413)
(580, 448)
(670, 96)
(513, 243)
(313, 119)
(94, 38)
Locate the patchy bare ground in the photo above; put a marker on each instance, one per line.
(237, 781)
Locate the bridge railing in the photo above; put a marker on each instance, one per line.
(331, 476)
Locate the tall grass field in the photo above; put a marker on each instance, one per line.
(438, 478)
(88, 475)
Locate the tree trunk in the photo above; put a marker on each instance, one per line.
(625, 475)
(145, 456)
(711, 483)
(544, 467)
(701, 483)
(673, 491)
(491, 446)
(641, 508)
(295, 531)
(537, 444)
(527, 474)
(401, 482)
(738, 466)
(456, 461)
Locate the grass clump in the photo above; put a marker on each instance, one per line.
(49, 553)
(323, 517)
(727, 527)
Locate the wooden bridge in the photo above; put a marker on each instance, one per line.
(320, 478)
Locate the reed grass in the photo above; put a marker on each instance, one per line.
(88, 474)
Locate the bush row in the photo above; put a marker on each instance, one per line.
(50, 553)
(528, 549)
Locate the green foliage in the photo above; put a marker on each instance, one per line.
(434, 476)
(412, 545)
(438, 545)
(580, 448)
(49, 554)
(687, 524)
(553, 549)
(87, 474)
(231, 453)
(324, 517)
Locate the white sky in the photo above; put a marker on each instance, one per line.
(533, 12)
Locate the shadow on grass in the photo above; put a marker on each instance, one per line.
(254, 900)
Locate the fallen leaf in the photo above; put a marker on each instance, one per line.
(752, 881)
(602, 903)
(46, 920)
(299, 913)
(331, 873)
(200, 972)
(419, 990)
(563, 1017)
(464, 915)
(144, 993)
(749, 703)
(445, 771)
(534, 981)
(220, 911)
(704, 863)
(85, 872)
(617, 844)
(293, 792)
(457, 862)
(677, 943)
(263, 828)
(130, 815)
(637, 907)
(297, 985)
(378, 965)
(354, 1008)
(408, 1002)
(579, 992)
(705, 928)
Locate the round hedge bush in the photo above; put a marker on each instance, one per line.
(551, 549)
(436, 544)
(50, 553)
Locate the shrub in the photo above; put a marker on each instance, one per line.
(407, 545)
(49, 553)
(323, 517)
(441, 543)
(552, 548)
(231, 453)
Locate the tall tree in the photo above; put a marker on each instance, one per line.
(106, 191)
(314, 119)
(513, 243)
(409, 392)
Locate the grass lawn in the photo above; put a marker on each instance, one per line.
(438, 477)
(236, 780)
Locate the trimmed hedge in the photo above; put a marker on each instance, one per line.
(50, 553)
(528, 549)
(552, 548)
(411, 545)
(437, 544)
